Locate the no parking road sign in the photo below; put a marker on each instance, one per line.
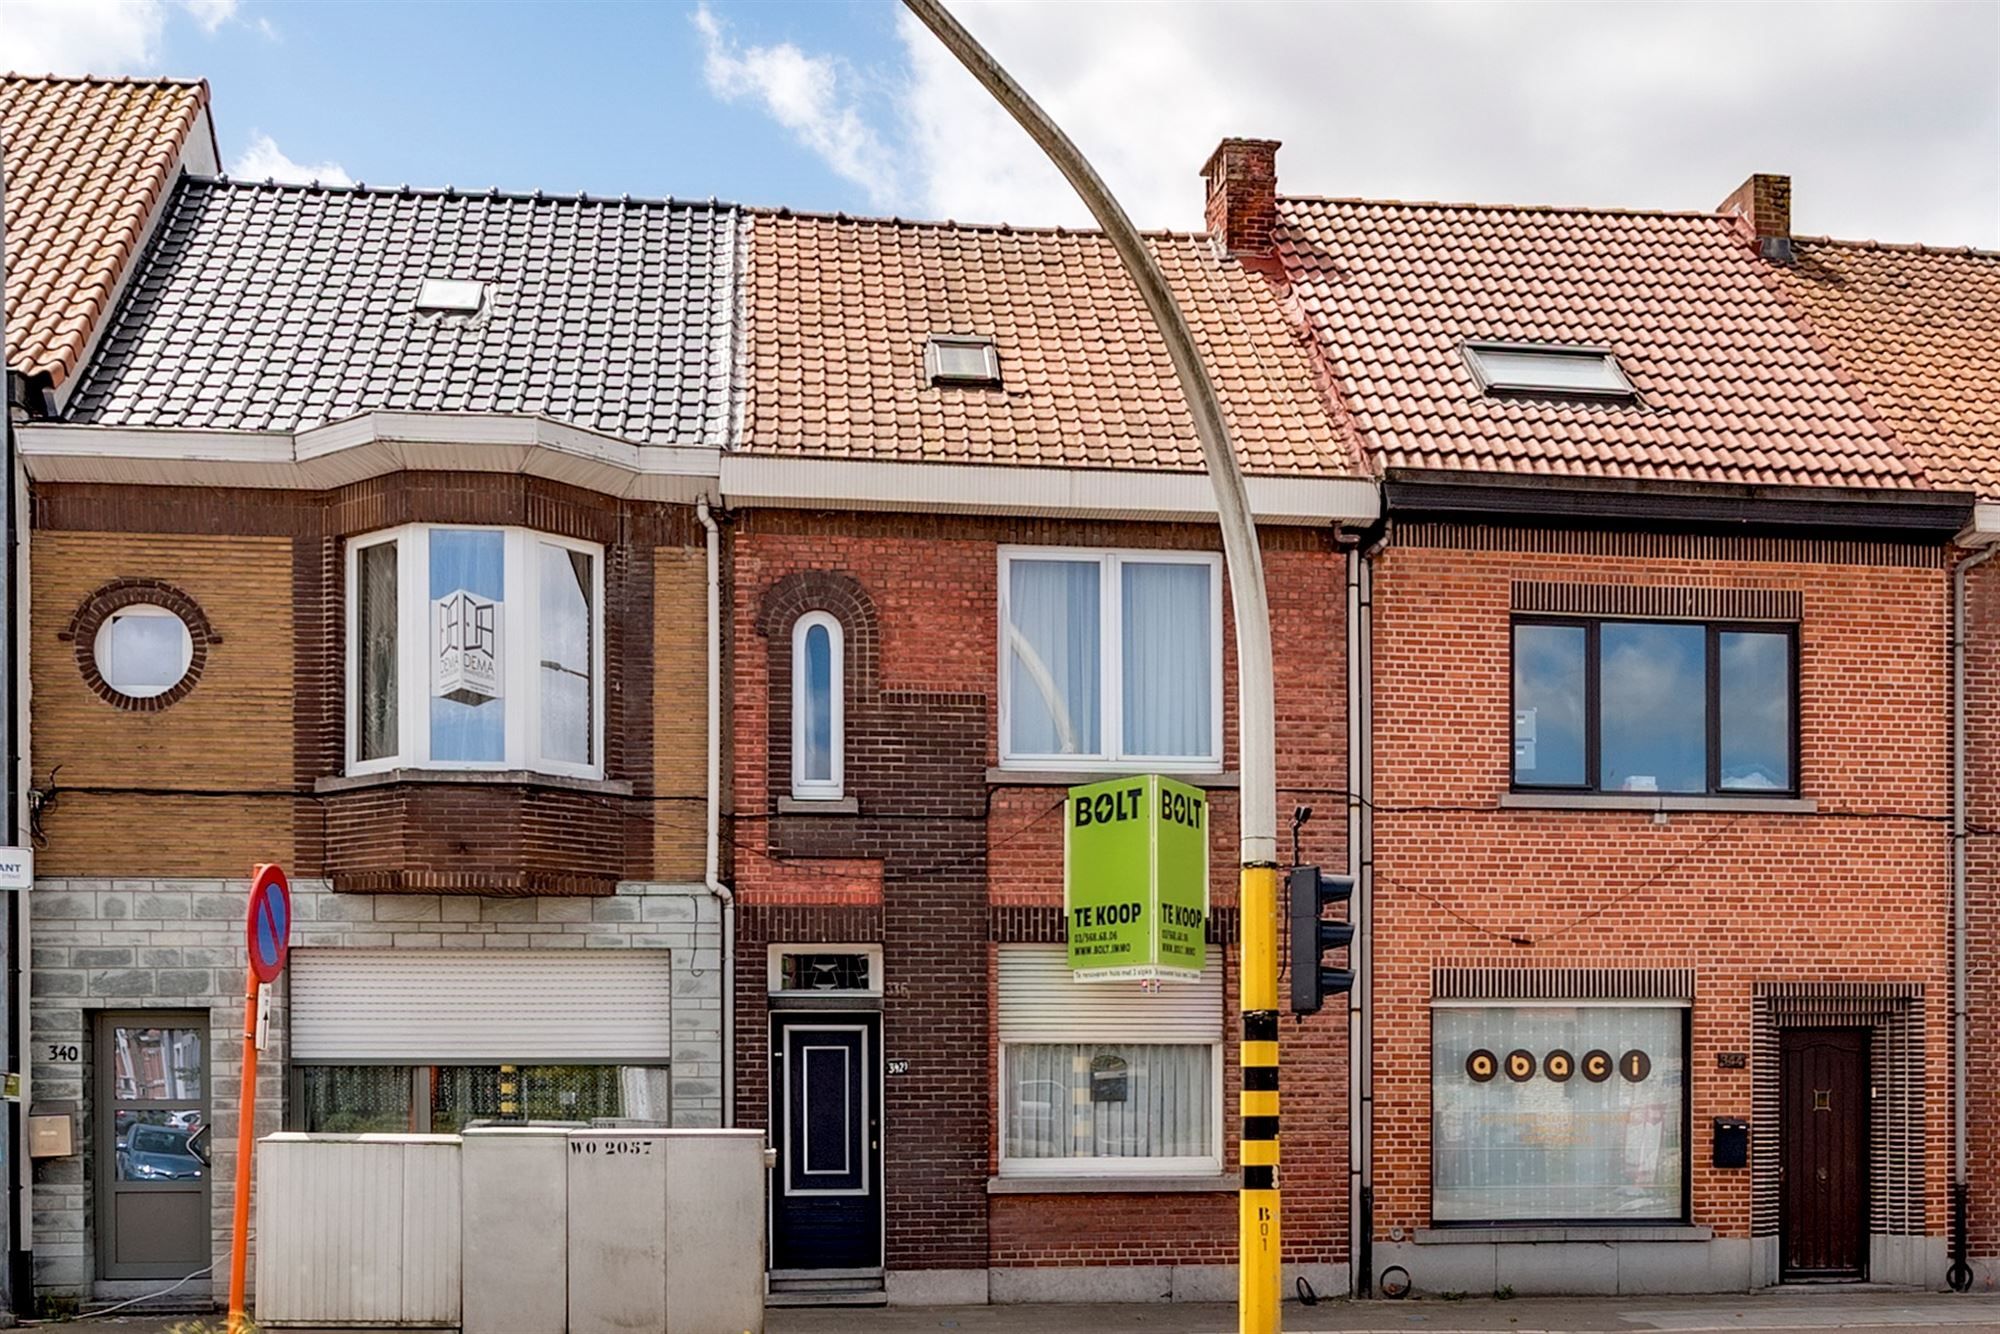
(270, 925)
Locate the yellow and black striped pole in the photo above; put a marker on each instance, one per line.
(1259, 1280)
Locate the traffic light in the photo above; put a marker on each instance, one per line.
(1312, 980)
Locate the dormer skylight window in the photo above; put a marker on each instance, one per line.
(962, 359)
(1544, 370)
(451, 296)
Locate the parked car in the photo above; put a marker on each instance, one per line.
(161, 1153)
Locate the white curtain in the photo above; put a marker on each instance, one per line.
(1094, 1100)
(1168, 648)
(1560, 1143)
(1053, 657)
(567, 581)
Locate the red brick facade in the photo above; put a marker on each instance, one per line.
(1854, 892)
(940, 865)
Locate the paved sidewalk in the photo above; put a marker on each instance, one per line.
(1787, 1309)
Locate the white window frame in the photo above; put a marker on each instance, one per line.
(1208, 1164)
(1111, 661)
(521, 667)
(835, 787)
(107, 627)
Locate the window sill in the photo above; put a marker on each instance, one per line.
(1005, 777)
(1650, 802)
(1114, 1185)
(820, 806)
(1608, 1232)
(616, 787)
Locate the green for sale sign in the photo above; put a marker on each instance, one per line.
(1135, 880)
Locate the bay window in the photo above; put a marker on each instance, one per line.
(1110, 659)
(1667, 707)
(1106, 1078)
(475, 648)
(1558, 1112)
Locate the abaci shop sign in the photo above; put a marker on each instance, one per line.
(1558, 1066)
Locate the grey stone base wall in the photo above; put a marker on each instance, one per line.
(178, 945)
(1099, 1283)
(1613, 1268)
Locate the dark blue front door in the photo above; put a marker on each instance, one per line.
(827, 1210)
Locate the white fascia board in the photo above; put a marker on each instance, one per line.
(369, 445)
(792, 483)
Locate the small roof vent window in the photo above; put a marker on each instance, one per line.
(451, 296)
(1548, 371)
(962, 359)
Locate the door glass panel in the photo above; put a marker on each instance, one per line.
(160, 1144)
(155, 1064)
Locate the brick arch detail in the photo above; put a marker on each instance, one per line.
(841, 596)
(117, 595)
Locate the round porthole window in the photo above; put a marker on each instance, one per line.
(143, 650)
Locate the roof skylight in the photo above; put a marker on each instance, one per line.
(962, 359)
(1547, 369)
(451, 296)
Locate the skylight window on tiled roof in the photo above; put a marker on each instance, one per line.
(1545, 370)
(958, 359)
(451, 296)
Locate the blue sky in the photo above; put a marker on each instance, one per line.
(1886, 113)
(605, 98)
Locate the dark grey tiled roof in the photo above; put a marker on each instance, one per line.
(261, 307)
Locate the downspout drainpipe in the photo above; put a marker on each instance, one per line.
(20, 1182)
(1361, 552)
(712, 863)
(1959, 1276)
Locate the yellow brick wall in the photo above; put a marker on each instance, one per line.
(680, 711)
(233, 731)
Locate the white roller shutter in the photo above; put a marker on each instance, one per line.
(477, 1006)
(1041, 1002)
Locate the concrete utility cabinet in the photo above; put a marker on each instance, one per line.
(514, 1230)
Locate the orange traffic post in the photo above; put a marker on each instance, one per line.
(246, 1146)
(267, 934)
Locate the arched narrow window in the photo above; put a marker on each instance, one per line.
(817, 708)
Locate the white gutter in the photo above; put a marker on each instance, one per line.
(712, 857)
(781, 482)
(376, 444)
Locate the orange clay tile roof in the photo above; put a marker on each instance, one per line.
(86, 160)
(1731, 388)
(839, 311)
(1918, 328)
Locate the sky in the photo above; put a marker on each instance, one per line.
(1885, 115)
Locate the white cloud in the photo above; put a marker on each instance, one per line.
(210, 14)
(813, 96)
(1886, 113)
(82, 36)
(264, 160)
(100, 36)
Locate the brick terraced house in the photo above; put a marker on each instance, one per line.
(89, 166)
(1918, 329)
(1655, 912)
(974, 562)
(371, 541)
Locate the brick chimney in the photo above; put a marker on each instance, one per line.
(1242, 176)
(1764, 203)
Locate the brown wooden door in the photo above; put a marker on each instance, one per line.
(1823, 1226)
